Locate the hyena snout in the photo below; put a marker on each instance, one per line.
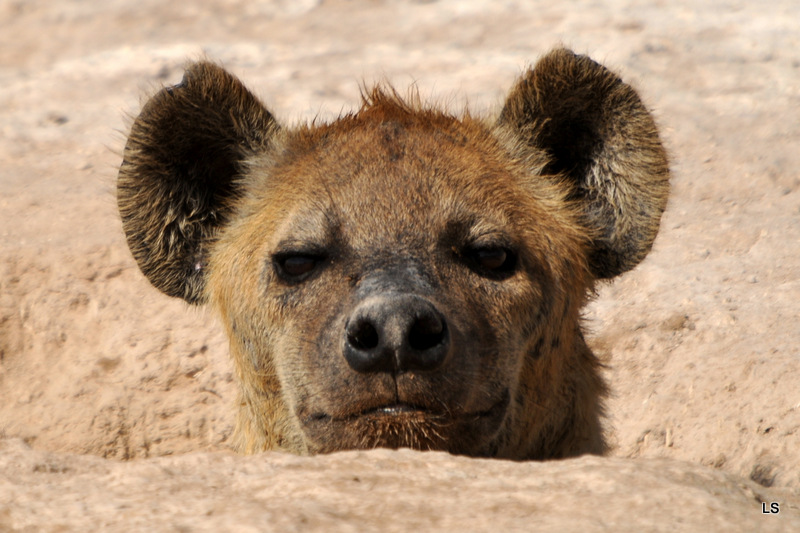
(396, 333)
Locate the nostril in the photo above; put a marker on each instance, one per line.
(426, 332)
(363, 336)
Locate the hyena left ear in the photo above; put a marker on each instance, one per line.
(598, 135)
(179, 178)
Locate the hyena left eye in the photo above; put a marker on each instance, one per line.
(492, 261)
(296, 267)
(491, 258)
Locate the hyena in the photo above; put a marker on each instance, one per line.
(401, 276)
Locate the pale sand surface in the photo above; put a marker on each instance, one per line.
(702, 341)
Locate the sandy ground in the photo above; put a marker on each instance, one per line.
(702, 341)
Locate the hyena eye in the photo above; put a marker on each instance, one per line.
(295, 267)
(492, 261)
(491, 258)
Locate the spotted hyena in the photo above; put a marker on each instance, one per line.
(401, 276)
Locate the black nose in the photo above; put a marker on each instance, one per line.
(396, 333)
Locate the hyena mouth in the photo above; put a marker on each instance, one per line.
(404, 409)
(395, 410)
(403, 425)
(400, 409)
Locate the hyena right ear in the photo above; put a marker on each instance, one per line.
(178, 180)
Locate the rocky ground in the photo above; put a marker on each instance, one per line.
(116, 403)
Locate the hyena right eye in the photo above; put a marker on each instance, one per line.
(295, 267)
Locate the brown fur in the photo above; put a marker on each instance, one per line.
(460, 249)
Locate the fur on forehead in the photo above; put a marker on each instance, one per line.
(383, 103)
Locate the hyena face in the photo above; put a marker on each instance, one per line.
(401, 277)
(402, 268)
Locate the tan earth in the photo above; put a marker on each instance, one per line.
(117, 403)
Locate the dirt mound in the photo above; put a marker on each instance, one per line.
(381, 490)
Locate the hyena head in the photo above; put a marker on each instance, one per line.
(401, 276)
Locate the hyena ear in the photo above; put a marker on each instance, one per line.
(179, 176)
(598, 135)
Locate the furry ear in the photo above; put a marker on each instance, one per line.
(178, 180)
(599, 136)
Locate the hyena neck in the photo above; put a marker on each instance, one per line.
(562, 416)
(263, 423)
